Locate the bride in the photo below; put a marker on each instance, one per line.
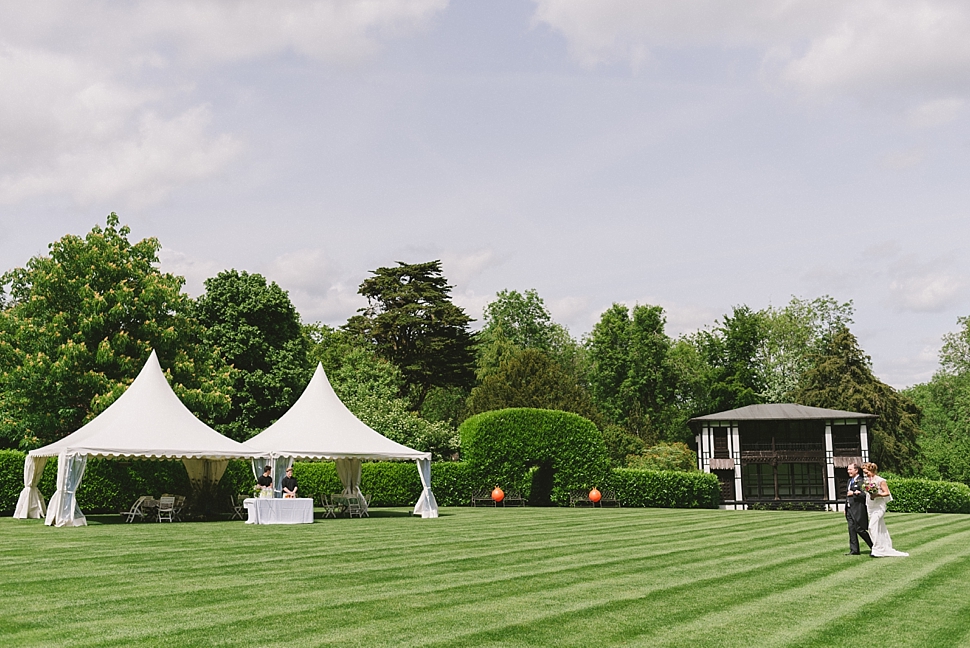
(879, 497)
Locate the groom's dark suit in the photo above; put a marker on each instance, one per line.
(857, 516)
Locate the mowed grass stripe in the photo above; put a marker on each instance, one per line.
(473, 577)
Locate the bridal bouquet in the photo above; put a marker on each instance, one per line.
(872, 488)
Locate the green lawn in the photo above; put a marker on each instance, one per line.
(489, 577)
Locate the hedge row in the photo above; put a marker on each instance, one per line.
(665, 488)
(543, 454)
(926, 496)
(110, 485)
(390, 483)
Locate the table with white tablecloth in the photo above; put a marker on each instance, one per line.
(287, 510)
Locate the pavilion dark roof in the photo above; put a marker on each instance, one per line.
(780, 412)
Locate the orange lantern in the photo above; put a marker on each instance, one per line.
(498, 494)
(595, 496)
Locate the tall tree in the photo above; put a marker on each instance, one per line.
(515, 321)
(732, 350)
(370, 388)
(945, 404)
(793, 336)
(530, 378)
(842, 379)
(411, 320)
(79, 325)
(256, 329)
(629, 369)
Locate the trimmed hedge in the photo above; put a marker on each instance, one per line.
(11, 479)
(665, 488)
(502, 447)
(110, 485)
(390, 483)
(927, 496)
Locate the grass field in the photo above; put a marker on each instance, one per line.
(489, 577)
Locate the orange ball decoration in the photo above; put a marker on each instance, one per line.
(498, 494)
(595, 496)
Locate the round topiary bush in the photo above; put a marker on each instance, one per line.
(544, 454)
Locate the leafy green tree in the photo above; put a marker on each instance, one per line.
(665, 456)
(515, 321)
(842, 379)
(945, 440)
(255, 328)
(411, 321)
(79, 325)
(955, 354)
(732, 351)
(793, 336)
(370, 387)
(530, 378)
(630, 374)
(620, 444)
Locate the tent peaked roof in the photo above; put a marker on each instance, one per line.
(319, 426)
(148, 420)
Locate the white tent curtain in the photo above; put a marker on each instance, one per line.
(348, 470)
(201, 471)
(427, 506)
(63, 509)
(259, 464)
(30, 504)
(278, 466)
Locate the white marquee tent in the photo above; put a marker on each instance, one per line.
(319, 426)
(148, 421)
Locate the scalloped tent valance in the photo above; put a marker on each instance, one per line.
(148, 421)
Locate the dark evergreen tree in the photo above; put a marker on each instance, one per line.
(842, 379)
(411, 321)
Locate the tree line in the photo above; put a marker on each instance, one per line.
(77, 324)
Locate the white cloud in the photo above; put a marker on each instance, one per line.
(819, 48)
(317, 287)
(936, 113)
(195, 271)
(925, 289)
(100, 100)
(905, 159)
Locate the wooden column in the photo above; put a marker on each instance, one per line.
(830, 466)
(735, 449)
(864, 440)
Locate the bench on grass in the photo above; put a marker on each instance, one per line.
(483, 497)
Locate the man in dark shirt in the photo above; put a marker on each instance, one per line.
(289, 483)
(266, 480)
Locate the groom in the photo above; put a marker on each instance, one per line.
(855, 511)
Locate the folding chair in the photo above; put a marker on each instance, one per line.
(135, 510)
(166, 509)
(179, 505)
(356, 506)
(238, 508)
(329, 508)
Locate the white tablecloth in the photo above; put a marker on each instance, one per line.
(295, 510)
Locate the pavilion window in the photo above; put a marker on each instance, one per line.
(721, 443)
(845, 440)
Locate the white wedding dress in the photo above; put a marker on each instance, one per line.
(882, 544)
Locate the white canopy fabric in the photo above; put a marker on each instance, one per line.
(147, 421)
(319, 426)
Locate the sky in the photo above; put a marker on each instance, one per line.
(697, 155)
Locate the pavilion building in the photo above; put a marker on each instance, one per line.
(781, 452)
